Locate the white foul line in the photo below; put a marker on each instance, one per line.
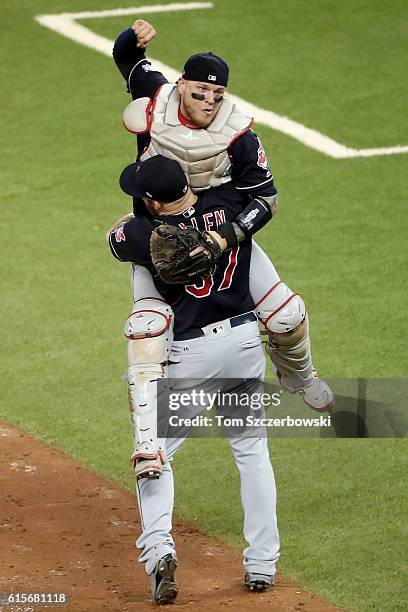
(66, 25)
(153, 8)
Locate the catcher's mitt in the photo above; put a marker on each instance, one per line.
(170, 248)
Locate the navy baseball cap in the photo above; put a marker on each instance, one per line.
(157, 178)
(206, 68)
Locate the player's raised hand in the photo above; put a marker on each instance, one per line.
(144, 31)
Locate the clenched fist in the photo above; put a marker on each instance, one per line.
(144, 31)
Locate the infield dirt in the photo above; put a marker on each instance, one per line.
(65, 529)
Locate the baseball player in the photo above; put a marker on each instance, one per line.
(213, 317)
(196, 124)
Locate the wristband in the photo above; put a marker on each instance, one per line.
(254, 217)
(227, 231)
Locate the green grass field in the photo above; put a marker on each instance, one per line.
(339, 239)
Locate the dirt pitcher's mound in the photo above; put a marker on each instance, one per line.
(66, 530)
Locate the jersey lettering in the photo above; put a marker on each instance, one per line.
(210, 220)
(219, 217)
(208, 224)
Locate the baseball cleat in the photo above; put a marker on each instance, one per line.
(258, 582)
(318, 395)
(163, 584)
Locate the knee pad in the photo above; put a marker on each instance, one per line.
(149, 330)
(281, 310)
(150, 318)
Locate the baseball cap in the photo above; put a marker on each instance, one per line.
(206, 68)
(158, 178)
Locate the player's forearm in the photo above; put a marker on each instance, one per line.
(221, 241)
(254, 217)
(126, 53)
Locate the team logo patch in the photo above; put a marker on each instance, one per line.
(262, 159)
(120, 234)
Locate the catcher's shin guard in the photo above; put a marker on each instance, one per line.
(284, 315)
(149, 330)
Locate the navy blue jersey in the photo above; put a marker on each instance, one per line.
(250, 172)
(219, 296)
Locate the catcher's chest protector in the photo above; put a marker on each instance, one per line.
(202, 153)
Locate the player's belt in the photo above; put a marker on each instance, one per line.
(247, 317)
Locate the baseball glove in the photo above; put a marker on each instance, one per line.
(170, 248)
